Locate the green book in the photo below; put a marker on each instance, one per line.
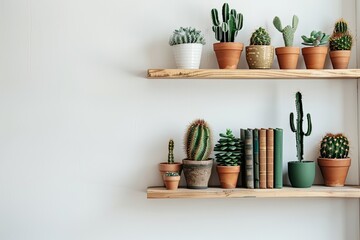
(256, 158)
(249, 160)
(243, 163)
(278, 157)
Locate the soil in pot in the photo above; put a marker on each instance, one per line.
(334, 170)
(314, 57)
(228, 54)
(287, 57)
(259, 56)
(301, 174)
(172, 182)
(228, 176)
(197, 173)
(166, 167)
(340, 59)
(187, 55)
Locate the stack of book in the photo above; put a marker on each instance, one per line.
(263, 158)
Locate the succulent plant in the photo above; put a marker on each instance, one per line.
(299, 133)
(334, 146)
(288, 31)
(198, 141)
(171, 152)
(231, 25)
(341, 39)
(229, 149)
(172, 174)
(317, 38)
(260, 37)
(186, 35)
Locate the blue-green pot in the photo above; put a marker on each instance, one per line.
(301, 174)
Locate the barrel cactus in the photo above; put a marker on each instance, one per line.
(288, 31)
(186, 35)
(341, 39)
(317, 38)
(260, 37)
(229, 149)
(334, 146)
(198, 141)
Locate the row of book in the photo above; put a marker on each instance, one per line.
(262, 158)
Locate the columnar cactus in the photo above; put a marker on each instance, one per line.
(198, 141)
(260, 37)
(299, 133)
(171, 152)
(334, 146)
(232, 23)
(317, 38)
(186, 35)
(341, 39)
(229, 149)
(288, 31)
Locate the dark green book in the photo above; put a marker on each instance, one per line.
(256, 158)
(278, 157)
(249, 160)
(243, 163)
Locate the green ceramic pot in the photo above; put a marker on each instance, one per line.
(301, 174)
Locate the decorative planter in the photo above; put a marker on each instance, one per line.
(314, 57)
(197, 173)
(334, 170)
(287, 57)
(340, 59)
(259, 56)
(166, 167)
(172, 182)
(228, 175)
(301, 174)
(187, 55)
(228, 54)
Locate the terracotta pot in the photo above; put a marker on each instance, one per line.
(334, 170)
(197, 173)
(259, 56)
(172, 182)
(228, 175)
(287, 57)
(340, 59)
(166, 167)
(314, 57)
(228, 54)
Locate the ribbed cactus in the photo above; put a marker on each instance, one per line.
(229, 149)
(260, 37)
(341, 39)
(232, 23)
(299, 133)
(341, 26)
(317, 38)
(334, 146)
(288, 31)
(171, 152)
(198, 142)
(172, 174)
(186, 35)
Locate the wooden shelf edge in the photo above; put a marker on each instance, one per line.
(253, 74)
(286, 192)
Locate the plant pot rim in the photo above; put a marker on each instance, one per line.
(228, 46)
(172, 178)
(166, 163)
(187, 44)
(264, 46)
(312, 50)
(287, 50)
(302, 162)
(228, 169)
(334, 159)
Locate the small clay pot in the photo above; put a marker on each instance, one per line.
(287, 57)
(228, 54)
(166, 167)
(228, 175)
(171, 182)
(314, 57)
(259, 56)
(340, 59)
(197, 173)
(334, 170)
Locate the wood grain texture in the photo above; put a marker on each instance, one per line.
(286, 192)
(253, 73)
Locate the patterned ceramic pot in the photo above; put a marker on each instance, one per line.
(259, 56)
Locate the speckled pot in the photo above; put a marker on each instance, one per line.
(259, 56)
(197, 173)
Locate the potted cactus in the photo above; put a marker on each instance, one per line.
(187, 46)
(287, 56)
(170, 165)
(340, 45)
(301, 173)
(315, 55)
(198, 145)
(334, 162)
(227, 51)
(172, 180)
(228, 159)
(260, 54)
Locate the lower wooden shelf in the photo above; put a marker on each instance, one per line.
(286, 192)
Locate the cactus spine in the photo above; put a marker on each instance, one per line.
(260, 37)
(229, 149)
(171, 152)
(186, 35)
(288, 31)
(341, 39)
(334, 146)
(299, 133)
(198, 142)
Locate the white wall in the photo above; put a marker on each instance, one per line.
(82, 130)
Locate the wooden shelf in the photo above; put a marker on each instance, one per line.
(253, 74)
(286, 192)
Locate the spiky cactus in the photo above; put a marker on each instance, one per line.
(186, 35)
(317, 38)
(299, 133)
(341, 39)
(334, 146)
(198, 141)
(229, 149)
(171, 152)
(231, 25)
(288, 31)
(260, 37)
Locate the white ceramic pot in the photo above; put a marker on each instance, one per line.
(187, 55)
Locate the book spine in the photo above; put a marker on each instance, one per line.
(262, 157)
(249, 158)
(256, 158)
(243, 162)
(278, 158)
(270, 158)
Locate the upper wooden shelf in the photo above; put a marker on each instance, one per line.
(253, 73)
(286, 192)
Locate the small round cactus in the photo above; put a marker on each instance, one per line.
(229, 149)
(198, 141)
(260, 37)
(334, 146)
(341, 39)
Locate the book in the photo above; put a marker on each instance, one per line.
(270, 158)
(256, 158)
(243, 162)
(278, 158)
(262, 158)
(249, 158)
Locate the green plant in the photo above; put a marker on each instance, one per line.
(260, 37)
(341, 39)
(198, 141)
(186, 35)
(229, 149)
(171, 152)
(172, 174)
(334, 146)
(317, 38)
(231, 25)
(288, 31)
(299, 133)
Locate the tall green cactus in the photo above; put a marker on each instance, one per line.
(232, 23)
(288, 31)
(334, 146)
(198, 141)
(299, 133)
(171, 152)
